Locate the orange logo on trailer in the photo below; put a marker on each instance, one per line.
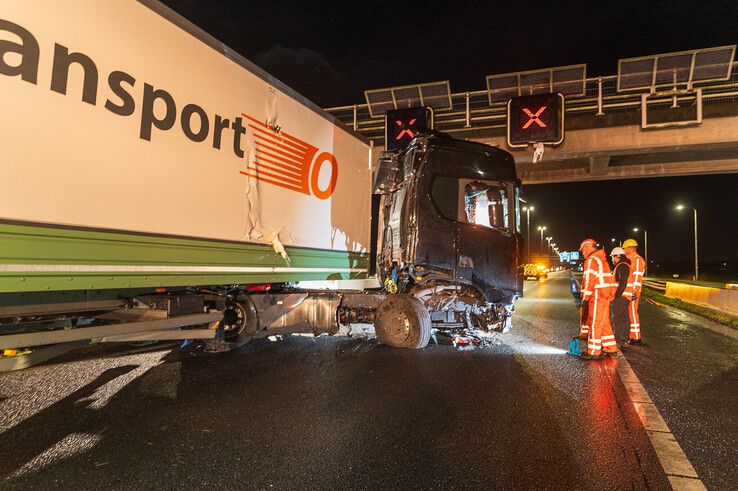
(288, 162)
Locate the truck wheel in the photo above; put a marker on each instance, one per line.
(402, 321)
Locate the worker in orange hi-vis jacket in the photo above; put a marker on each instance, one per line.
(598, 289)
(637, 272)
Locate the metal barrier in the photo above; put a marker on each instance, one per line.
(472, 110)
(656, 285)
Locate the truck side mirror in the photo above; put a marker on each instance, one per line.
(388, 174)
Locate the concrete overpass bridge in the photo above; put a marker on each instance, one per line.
(606, 136)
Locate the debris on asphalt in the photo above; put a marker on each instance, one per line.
(465, 339)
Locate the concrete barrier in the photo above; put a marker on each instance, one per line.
(716, 298)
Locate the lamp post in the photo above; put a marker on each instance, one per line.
(645, 243)
(527, 210)
(696, 261)
(542, 229)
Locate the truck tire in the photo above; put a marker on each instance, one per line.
(402, 321)
(241, 322)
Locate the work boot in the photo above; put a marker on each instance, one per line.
(609, 353)
(587, 356)
(634, 341)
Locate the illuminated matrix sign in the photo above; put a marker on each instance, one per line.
(537, 118)
(401, 125)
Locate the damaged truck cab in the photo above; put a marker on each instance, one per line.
(448, 231)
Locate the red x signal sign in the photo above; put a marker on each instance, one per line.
(534, 118)
(537, 118)
(406, 128)
(402, 125)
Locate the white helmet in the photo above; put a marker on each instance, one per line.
(617, 251)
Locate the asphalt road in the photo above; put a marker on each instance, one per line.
(309, 413)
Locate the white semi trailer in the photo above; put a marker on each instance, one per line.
(157, 185)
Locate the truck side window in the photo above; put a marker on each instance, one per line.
(478, 202)
(486, 205)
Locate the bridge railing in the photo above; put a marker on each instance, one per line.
(473, 111)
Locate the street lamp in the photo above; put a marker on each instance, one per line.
(696, 262)
(645, 242)
(527, 210)
(541, 228)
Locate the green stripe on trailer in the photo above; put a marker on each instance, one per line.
(42, 258)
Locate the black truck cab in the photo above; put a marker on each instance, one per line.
(449, 230)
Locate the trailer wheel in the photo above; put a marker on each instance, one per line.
(240, 322)
(402, 321)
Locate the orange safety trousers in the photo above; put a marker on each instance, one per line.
(583, 322)
(635, 320)
(598, 289)
(601, 338)
(637, 271)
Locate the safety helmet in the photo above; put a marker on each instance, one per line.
(630, 243)
(617, 251)
(587, 241)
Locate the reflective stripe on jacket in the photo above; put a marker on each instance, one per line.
(637, 271)
(598, 279)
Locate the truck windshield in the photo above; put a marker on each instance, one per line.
(485, 203)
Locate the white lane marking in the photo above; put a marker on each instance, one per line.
(118, 268)
(677, 467)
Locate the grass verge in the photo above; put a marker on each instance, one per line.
(714, 315)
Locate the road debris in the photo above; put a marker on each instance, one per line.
(465, 339)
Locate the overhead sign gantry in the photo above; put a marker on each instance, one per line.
(667, 82)
(535, 103)
(436, 95)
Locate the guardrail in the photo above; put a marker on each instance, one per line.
(472, 110)
(656, 285)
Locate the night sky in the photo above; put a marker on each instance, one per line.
(332, 51)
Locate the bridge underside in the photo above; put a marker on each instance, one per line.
(615, 147)
(660, 163)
